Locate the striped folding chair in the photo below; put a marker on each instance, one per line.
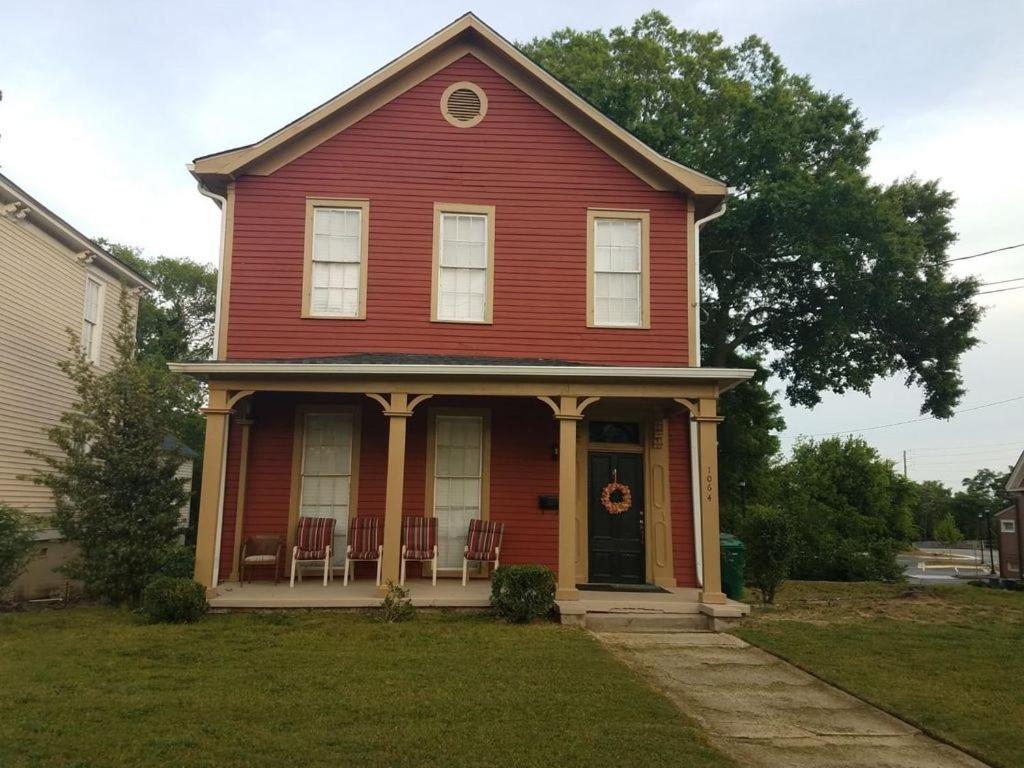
(419, 542)
(483, 544)
(313, 545)
(365, 542)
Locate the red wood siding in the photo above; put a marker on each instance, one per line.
(683, 551)
(539, 174)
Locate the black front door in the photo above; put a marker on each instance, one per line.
(616, 518)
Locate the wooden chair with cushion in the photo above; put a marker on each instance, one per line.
(365, 543)
(419, 542)
(313, 543)
(483, 544)
(261, 552)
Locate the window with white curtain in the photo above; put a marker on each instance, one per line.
(463, 261)
(618, 272)
(327, 472)
(91, 317)
(336, 282)
(458, 483)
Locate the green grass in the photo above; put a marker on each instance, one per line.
(96, 687)
(944, 658)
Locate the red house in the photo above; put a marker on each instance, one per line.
(457, 290)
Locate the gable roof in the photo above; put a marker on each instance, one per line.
(17, 202)
(1016, 481)
(466, 35)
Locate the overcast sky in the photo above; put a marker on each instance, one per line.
(105, 102)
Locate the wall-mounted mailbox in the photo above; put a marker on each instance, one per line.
(547, 503)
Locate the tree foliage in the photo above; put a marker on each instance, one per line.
(116, 496)
(770, 541)
(16, 541)
(947, 532)
(934, 503)
(851, 509)
(833, 279)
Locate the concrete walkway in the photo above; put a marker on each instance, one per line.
(765, 713)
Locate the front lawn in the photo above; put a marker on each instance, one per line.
(944, 658)
(96, 687)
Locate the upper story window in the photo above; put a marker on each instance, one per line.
(92, 317)
(618, 283)
(463, 252)
(334, 278)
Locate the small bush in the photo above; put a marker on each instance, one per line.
(179, 560)
(174, 600)
(396, 606)
(768, 535)
(522, 593)
(16, 540)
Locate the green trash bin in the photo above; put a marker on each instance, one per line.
(733, 566)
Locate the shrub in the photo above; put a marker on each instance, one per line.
(768, 535)
(174, 600)
(178, 560)
(15, 544)
(522, 593)
(396, 606)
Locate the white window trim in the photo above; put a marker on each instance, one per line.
(472, 210)
(644, 217)
(1007, 526)
(312, 204)
(101, 297)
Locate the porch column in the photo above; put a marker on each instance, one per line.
(217, 414)
(245, 423)
(397, 409)
(568, 416)
(707, 419)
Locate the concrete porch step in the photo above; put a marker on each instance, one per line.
(644, 621)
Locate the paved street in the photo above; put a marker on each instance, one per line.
(766, 713)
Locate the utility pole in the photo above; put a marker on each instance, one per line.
(904, 464)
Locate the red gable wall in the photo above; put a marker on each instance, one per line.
(538, 172)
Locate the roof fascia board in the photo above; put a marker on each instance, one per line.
(233, 162)
(71, 238)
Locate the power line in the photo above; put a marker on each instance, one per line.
(998, 290)
(966, 447)
(901, 423)
(985, 253)
(1000, 282)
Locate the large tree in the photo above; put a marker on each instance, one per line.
(831, 278)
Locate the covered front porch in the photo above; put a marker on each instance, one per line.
(542, 451)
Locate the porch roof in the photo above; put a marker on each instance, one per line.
(441, 367)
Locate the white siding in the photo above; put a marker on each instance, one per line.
(42, 293)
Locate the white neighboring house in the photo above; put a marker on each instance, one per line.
(52, 277)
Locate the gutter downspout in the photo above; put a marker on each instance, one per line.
(694, 453)
(222, 203)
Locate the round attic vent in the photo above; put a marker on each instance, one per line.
(463, 104)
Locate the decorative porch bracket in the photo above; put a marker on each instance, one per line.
(568, 411)
(397, 408)
(704, 412)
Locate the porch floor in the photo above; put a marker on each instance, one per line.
(449, 593)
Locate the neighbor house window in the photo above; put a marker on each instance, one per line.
(463, 254)
(618, 294)
(335, 269)
(91, 319)
(326, 471)
(1008, 526)
(459, 481)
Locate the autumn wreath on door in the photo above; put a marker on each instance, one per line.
(616, 498)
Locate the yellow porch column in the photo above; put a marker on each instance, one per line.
(568, 416)
(398, 409)
(217, 414)
(707, 428)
